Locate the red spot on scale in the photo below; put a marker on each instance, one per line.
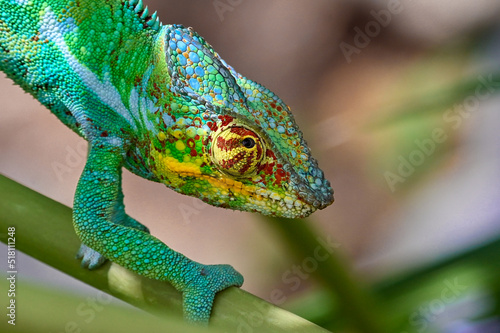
(194, 152)
(226, 119)
(212, 125)
(270, 154)
(270, 168)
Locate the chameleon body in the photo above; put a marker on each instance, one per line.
(159, 101)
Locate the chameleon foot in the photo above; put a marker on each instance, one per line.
(91, 259)
(199, 296)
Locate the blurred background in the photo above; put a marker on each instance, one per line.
(398, 101)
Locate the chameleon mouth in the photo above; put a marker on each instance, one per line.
(289, 204)
(275, 204)
(319, 198)
(317, 192)
(300, 200)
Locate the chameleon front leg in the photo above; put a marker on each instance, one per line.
(92, 259)
(96, 198)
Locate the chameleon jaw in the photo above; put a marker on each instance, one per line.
(294, 202)
(273, 204)
(262, 200)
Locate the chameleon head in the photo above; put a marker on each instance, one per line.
(259, 176)
(230, 141)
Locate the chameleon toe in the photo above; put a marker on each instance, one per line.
(199, 295)
(91, 259)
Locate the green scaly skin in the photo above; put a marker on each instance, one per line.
(159, 101)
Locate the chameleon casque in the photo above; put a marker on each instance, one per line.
(159, 101)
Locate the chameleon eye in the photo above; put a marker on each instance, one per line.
(248, 143)
(237, 151)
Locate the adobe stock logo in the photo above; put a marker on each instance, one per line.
(430, 311)
(73, 161)
(453, 119)
(372, 29)
(292, 279)
(222, 7)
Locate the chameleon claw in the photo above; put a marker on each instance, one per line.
(91, 259)
(221, 277)
(198, 298)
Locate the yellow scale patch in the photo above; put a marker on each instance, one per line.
(174, 170)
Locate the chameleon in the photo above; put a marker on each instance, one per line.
(158, 100)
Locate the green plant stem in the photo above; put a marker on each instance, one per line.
(474, 268)
(353, 299)
(44, 231)
(41, 309)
